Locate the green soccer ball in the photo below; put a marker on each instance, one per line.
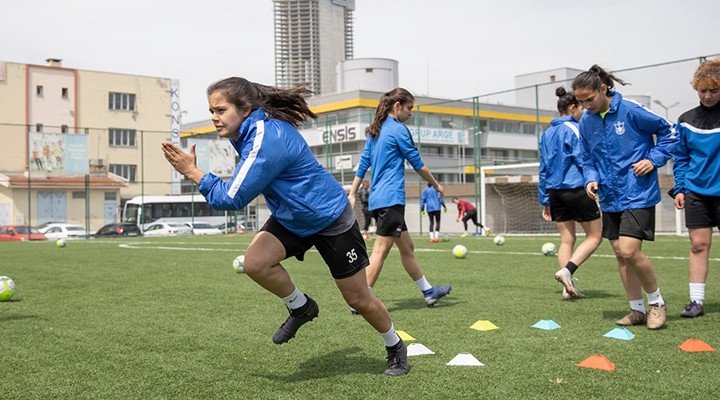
(239, 264)
(60, 243)
(7, 288)
(446, 238)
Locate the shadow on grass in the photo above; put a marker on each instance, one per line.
(339, 362)
(598, 294)
(418, 304)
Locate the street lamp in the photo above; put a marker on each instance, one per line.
(666, 108)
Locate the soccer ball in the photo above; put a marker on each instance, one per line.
(499, 240)
(7, 288)
(446, 238)
(549, 249)
(239, 264)
(459, 251)
(60, 243)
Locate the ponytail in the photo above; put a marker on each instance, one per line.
(595, 77)
(565, 100)
(385, 106)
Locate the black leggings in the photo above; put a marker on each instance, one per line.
(434, 220)
(471, 215)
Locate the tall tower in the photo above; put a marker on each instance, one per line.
(311, 37)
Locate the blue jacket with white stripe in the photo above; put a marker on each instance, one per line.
(387, 154)
(611, 145)
(276, 161)
(697, 165)
(560, 158)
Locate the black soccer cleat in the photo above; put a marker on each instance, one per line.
(297, 318)
(397, 360)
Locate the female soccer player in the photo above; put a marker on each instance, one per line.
(561, 191)
(620, 161)
(431, 201)
(308, 206)
(697, 177)
(387, 146)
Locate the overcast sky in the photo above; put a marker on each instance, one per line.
(449, 49)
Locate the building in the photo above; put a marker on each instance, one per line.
(76, 143)
(545, 82)
(311, 37)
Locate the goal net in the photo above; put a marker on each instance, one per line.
(509, 199)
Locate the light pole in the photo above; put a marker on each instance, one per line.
(666, 108)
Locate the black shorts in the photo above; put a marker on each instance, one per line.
(572, 204)
(638, 223)
(345, 254)
(390, 221)
(701, 211)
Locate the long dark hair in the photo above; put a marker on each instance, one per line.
(385, 105)
(286, 104)
(595, 77)
(565, 99)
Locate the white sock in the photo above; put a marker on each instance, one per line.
(430, 234)
(437, 235)
(697, 292)
(296, 299)
(390, 337)
(637, 305)
(655, 298)
(423, 284)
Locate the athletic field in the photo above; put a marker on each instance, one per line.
(168, 318)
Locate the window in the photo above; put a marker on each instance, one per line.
(111, 196)
(121, 137)
(78, 195)
(39, 90)
(121, 101)
(64, 129)
(127, 171)
(38, 127)
(65, 93)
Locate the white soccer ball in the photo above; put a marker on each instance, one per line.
(239, 264)
(7, 288)
(459, 251)
(549, 249)
(499, 240)
(60, 243)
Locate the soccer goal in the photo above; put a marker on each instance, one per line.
(509, 199)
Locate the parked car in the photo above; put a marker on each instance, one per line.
(20, 233)
(65, 231)
(203, 228)
(231, 228)
(121, 229)
(167, 229)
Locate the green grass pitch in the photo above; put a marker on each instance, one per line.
(168, 318)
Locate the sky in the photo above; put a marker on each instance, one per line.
(449, 49)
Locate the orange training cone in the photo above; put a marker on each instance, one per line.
(597, 361)
(695, 346)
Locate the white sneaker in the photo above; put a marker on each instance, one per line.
(565, 278)
(566, 295)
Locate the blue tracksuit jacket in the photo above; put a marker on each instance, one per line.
(697, 156)
(560, 158)
(611, 145)
(387, 154)
(276, 161)
(431, 198)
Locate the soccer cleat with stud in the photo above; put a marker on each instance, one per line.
(657, 316)
(634, 318)
(438, 292)
(297, 318)
(565, 278)
(397, 363)
(692, 310)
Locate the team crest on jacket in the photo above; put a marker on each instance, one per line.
(620, 127)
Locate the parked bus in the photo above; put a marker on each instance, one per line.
(145, 210)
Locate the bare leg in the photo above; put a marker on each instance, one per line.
(407, 256)
(630, 281)
(700, 241)
(567, 242)
(356, 294)
(262, 264)
(593, 238)
(380, 251)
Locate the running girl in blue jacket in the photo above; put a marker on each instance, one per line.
(309, 208)
(697, 177)
(387, 147)
(623, 145)
(561, 191)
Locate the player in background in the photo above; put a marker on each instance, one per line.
(468, 212)
(364, 195)
(309, 207)
(387, 147)
(623, 145)
(561, 191)
(697, 178)
(430, 202)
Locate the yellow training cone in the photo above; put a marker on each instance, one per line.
(404, 336)
(484, 325)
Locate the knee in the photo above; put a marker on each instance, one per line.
(254, 266)
(626, 254)
(699, 247)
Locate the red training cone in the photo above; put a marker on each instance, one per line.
(597, 361)
(695, 346)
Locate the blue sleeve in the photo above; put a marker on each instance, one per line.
(408, 150)
(663, 129)
(423, 199)
(261, 161)
(681, 161)
(543, 196)
(364, 159)
(590, 173)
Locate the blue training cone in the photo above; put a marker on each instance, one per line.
(620, 333)
(546, 325)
